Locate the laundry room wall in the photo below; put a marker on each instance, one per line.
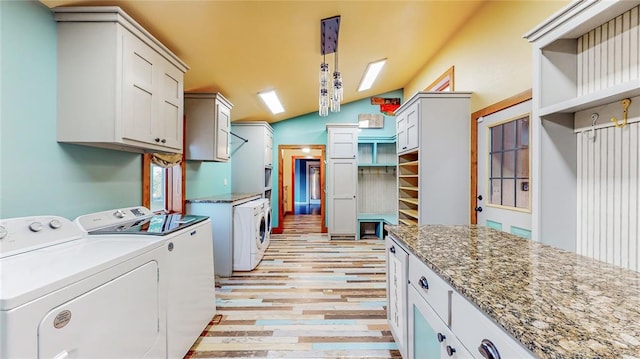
(490, 56)
(311, 129)
(39, 175)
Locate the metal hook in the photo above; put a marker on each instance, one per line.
(625, 107)
(594, 119)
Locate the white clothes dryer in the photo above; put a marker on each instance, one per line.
(249, 235)
(267, 219)
(65, 295)
(190, 303)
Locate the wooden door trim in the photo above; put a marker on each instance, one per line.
(322, 148)
(498, 106)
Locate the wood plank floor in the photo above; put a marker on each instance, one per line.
(310, 297)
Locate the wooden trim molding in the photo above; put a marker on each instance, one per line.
(281, 209)
(441, 82)
(146, 180)
(498, 106)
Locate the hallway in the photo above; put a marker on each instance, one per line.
(309, 298)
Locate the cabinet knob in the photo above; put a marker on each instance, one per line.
(157, 139)
(424, 283)
(170, 246)
(478, 209)
(450, 350)
(441, 337)
(164, 140)
(488, 350)
(392, 249)
(480, 197)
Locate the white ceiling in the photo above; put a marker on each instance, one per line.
(240, 48)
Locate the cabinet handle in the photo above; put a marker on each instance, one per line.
(424, 283)
(404, 148)
(164, 140)
(392, 249)
(157, 139)
(450, 350)
(441, 337)
(488, 350)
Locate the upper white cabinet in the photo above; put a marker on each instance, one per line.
(251, 163)
(433, 158)
(343, 140)
(342, 183)
(208, 122)
(407, 128)
(118, 87)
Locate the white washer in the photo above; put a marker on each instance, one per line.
(249, 235)
(65, 295)
(190, 279)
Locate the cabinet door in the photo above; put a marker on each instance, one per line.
(412, 127)
(140, 64)
(268, 148)
(168, 126)
(397, 293)
(223, 124)
(342, 196)
(343, 142)
(401, 132)
(428, 336)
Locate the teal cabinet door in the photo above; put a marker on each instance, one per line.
(425, 338)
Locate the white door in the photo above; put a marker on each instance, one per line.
(342, 196)
(504, 183)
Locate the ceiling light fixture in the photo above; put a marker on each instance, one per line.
(271, 100)
(370, 75)
(329, 30)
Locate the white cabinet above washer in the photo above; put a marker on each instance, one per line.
(118, 86)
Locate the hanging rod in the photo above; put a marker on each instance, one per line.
(242, 138)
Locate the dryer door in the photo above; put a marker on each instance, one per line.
(118, 319)
(261, 235)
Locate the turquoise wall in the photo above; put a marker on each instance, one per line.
(37, 174)
(205, 179)
(310, 129)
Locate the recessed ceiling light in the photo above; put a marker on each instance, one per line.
(271, 100)
(373, 69)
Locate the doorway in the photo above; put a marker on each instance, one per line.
(301, 174)
(501, 196)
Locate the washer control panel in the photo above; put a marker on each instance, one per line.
(19, 235)
(93, 221)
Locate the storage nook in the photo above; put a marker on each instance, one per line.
(251, 172)
(377, 192)
(585, 130)
(432, 130)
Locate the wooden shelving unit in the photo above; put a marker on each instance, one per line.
(408, 188)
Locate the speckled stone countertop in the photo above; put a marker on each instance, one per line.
(556, 303)
(224, 198)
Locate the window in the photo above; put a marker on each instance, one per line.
(509, 163)
(162, 188)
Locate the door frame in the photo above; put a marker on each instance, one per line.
(498, 106)
(323, 154)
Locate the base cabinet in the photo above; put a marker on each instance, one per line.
(397, 268)
(428, 336)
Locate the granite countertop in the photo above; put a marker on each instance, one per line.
(556, 303)
(224, 198)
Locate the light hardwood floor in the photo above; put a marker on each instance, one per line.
(310, 297)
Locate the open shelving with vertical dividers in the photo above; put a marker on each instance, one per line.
(408, 188)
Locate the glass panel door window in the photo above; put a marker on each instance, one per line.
(509, 163)
(158, 188)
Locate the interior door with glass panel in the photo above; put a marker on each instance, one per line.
(504, 183)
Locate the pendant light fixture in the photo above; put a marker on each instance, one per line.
(331, 93)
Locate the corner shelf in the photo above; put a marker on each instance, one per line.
(377, 152)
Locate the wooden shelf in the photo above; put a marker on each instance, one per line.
(409, 200)
(408, 222)
(408, 176)
(409, 212)
(594, 99)
(377, 164)
(409, 164)
(409, 188)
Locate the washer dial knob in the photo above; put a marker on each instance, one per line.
(35, 227)
(55, 224)
(119, 213)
